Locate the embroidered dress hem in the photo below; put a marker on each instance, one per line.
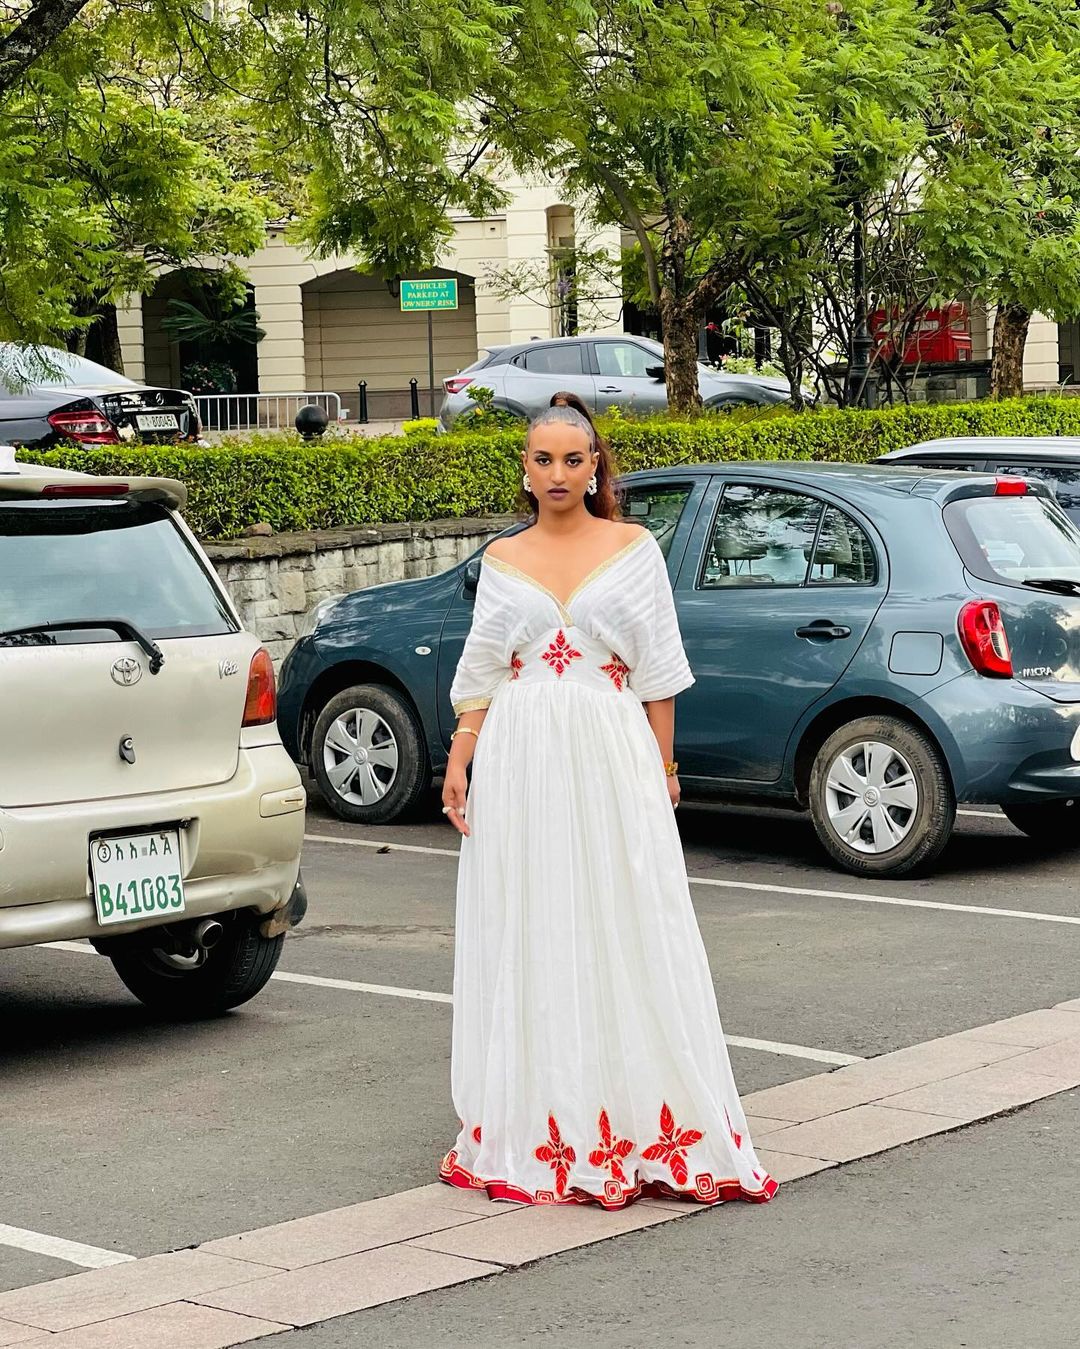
(614, 1195)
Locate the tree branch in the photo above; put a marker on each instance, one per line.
(634, 219)
(44, 22)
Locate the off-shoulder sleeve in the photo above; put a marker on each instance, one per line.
(485, 659)
(661, 670)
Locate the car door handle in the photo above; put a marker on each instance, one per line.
(823, 631)
(611, 388)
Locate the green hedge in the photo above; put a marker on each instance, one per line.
(294, 485)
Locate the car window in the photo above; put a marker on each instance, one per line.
(1014, 538)
(63, 562)
(1063, 479)
(561, 360)
(843, 555)
(762, 536)
(625, 359)
(659, 509)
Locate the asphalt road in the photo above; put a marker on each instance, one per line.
(127, 1134)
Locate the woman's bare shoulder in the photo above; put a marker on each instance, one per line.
(628, 531)
(505, 549)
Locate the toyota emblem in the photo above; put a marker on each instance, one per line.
(126, 671)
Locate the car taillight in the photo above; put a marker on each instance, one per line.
(1011, 487)
(983, 636)
(88, 428)
(88, 491)
(261, 705)
(457, 383)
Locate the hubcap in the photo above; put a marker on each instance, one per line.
(360, 755)
(871, 797)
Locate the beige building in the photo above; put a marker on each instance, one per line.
(329, 326)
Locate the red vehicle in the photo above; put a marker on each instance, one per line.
(938, 335)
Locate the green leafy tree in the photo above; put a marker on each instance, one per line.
(106, 177)
(1001, 215)
(718, 131)
(374, 100)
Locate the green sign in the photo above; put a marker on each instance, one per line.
(438, 293)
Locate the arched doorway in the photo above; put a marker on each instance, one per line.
(219, 356)
(354, 329)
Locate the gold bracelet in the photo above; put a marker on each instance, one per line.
(468, 730)
(671, 768)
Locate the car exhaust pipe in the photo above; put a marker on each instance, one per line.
(208, 933)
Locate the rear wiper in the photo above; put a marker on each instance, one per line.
(1062, 585)
(121, 626)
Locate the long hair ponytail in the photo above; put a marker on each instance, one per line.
(570, 410)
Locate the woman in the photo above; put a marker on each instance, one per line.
(588, 1061)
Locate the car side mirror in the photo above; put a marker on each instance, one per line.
(656, 372)
(472, 575)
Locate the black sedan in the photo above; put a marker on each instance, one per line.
(48, 396)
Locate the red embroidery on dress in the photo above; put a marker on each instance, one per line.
(736, 1138)
(516, 665)
(559, 1155)
(616, 670)
(476, 1134)
(671, 1145)
(611, 1151)
(560, 653)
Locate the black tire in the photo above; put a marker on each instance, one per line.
(410, 780)
(929, 825)
(233, 972)
(1055, 824)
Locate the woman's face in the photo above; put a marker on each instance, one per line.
(559, 460)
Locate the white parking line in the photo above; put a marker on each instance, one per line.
(425, 995)
(387, 990)
(983, 909)
(74, 1252)
(374, 843)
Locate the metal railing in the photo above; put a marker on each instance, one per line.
(262, 411)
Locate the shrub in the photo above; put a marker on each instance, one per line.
(350, 480)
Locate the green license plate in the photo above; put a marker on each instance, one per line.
(137, 876)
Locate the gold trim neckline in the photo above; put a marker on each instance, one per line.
(563, 606)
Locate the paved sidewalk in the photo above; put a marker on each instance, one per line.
(236, 1289)
(962, 1241)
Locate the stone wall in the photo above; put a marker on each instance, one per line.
(274, 581)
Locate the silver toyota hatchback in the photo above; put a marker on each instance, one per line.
(146, 801)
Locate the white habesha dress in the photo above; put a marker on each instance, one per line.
(588, 1060)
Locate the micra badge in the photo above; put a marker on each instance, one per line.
(226, 668)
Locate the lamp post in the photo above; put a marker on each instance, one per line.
(862, 380)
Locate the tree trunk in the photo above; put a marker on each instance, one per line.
(680, 314)
(680, 320)
(1007, 365)
(105, 337)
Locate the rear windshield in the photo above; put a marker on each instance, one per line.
(64, 562)
(1014, 539)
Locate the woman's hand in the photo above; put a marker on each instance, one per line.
(674, 790)
(453, 795)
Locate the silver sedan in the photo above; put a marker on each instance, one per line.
(613, 370)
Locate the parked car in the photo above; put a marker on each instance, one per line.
(1054, 460)
(871, 644)
(605, 371)
(146, 802)
(48, 396)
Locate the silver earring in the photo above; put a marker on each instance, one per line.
(591, 489)
(525, 482)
